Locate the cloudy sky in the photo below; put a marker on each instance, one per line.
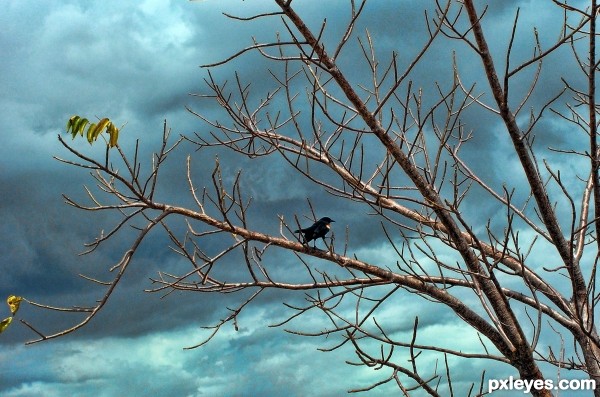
(137, 62)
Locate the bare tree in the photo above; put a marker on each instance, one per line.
(397, 149)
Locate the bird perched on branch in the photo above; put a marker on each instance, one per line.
(318, 230)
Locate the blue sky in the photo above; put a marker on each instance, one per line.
(137, 63)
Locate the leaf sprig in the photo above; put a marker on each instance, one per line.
(77, 125)
(13, 304)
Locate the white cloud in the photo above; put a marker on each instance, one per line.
(157, 365)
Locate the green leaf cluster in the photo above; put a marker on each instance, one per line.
(77, 125)
(13, 304)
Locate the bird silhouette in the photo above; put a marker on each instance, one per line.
(318, 230)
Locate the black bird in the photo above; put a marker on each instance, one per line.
(318, 230)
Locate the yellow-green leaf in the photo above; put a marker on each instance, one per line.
(71, 125)
(13, 303)
(90, 133)
(114, 135)
(101, 125)
(71, 122)
(80, 124)
(5, 323)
